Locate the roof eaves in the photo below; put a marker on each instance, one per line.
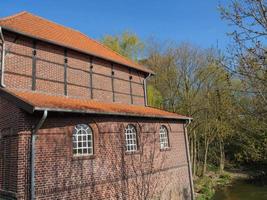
(28, 107)
(76, 49)
(108, 113)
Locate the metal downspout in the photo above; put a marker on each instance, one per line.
(189, 161)
(33, 139)
(2, 84)
(145, 89)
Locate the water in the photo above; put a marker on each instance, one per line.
(242, 190)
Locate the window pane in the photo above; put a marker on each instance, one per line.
(84, 151)
(85, 144)
(90, 151)
(89, 137)
(90, 144)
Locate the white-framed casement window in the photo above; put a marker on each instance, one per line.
(131, 138)
(164, 137)
(82, 140)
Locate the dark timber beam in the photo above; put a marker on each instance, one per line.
(65, 72)
(112, 82)
(91, 77)
(131, 87)
(34, 59)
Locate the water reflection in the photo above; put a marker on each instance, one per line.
(242, 190)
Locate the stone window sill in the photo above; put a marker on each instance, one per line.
(132, 152)
(165, 149)
(81, 157)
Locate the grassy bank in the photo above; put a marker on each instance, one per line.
(205, 186)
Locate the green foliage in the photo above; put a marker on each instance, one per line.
(127, 44)
(207, 185)
(248, 63)
(154, 97)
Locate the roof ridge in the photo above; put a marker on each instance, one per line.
(13, 16)
(72, 29)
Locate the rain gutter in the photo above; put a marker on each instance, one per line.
(33, 139)
(2, 84)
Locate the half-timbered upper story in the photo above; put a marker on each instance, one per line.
(42, 56)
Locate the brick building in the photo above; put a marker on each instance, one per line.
(74, 123)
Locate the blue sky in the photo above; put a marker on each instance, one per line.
(192, 21)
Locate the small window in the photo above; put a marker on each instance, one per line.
(164, 137)
(82, 140)
(131, 138)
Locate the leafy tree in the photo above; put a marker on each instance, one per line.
(127, 44)
(226, 97)
(154, 97)
(247, 62)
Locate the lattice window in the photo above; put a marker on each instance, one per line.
(82, 140)
(164, 137)
(131, 138)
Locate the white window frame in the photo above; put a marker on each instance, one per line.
(164, 137)
(131, 142)
(82, 140)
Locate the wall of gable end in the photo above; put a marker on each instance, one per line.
(44, 67)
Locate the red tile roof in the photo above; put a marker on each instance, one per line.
(40, 28)
(39, 101)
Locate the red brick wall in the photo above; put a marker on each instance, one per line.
(109, 173)
(50, 72)
(12, 121)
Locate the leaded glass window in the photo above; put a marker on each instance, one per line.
(131, 138)
(164, 137)
(82, 140)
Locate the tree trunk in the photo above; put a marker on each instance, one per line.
(198, 156)
(195, 153)
(191, 151)
(205, 157)
(222, 156)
